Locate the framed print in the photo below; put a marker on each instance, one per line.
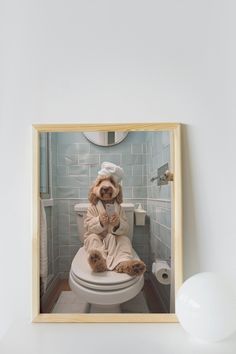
(107, 222)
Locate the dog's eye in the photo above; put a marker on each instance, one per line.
(113, 182)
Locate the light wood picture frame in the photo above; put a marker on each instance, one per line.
(176, 220)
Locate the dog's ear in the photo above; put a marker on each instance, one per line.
(92, 196)
(119, 197)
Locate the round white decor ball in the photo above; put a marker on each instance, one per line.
(206, 307)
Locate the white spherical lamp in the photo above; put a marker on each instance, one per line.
(206, 307)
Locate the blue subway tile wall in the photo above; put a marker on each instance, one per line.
(78, 162)
(159, 197)
(68, 238)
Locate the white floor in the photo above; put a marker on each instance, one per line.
(68, 302)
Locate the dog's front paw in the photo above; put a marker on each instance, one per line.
(97, 262)
(132, 267)
(115, 220)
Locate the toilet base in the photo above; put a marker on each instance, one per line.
(104, 308)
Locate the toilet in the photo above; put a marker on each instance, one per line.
(106, 291)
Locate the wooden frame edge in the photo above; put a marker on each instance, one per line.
(38, 317)
(105, 318)
(178, 209)
(104, 127)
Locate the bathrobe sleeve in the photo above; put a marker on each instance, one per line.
(123, 228)
(91, 221)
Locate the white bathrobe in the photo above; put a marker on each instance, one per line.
(115, 246)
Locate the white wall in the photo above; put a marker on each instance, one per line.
(118, 61)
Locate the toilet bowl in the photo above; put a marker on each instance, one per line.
(107, 290)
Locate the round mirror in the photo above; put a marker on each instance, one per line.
(105, 138)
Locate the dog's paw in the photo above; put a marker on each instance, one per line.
(97, 262)
(132, 267)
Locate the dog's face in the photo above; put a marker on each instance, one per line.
(106, 189)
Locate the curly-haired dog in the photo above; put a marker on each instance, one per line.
(106, 239)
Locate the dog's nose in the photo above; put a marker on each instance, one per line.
(105, 189)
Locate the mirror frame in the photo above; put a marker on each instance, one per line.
(175, 128)
(103, 145)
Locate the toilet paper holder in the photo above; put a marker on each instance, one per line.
(162, 271)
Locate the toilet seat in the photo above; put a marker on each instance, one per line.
(105, 288)
(109, 280)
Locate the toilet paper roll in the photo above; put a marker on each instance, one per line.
(162, 272)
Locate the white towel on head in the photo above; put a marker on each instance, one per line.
(110, 169)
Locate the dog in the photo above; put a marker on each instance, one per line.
(106, 239)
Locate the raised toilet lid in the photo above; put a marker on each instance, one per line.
(109, 280)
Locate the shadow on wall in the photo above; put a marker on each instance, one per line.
(190, 225)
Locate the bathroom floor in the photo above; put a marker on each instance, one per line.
(68, 302)
(147, 301)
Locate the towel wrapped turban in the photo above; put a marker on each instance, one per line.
(110, 169)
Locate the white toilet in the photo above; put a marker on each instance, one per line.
(104, 292)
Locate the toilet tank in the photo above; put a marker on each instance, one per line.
(81, 210)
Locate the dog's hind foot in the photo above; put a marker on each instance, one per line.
(97, 262)
(131, 267)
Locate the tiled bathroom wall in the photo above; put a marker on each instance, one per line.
(78, 162)
(159, 197)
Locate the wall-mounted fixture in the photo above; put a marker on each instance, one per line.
(163, 175)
